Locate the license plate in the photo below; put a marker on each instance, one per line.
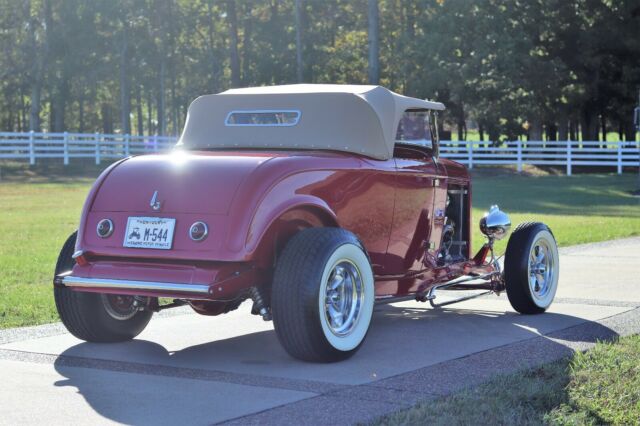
(149, 232)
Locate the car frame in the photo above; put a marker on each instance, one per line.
(313, 201)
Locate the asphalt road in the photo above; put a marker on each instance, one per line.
(202, 370)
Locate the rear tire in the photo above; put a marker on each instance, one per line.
(95, 317)
(531, 268)
(323, 295)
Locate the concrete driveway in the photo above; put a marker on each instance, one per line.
(203, 370)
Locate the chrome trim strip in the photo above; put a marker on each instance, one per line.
(70, 281)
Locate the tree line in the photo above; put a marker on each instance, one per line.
(549, 69)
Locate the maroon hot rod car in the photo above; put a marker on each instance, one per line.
(313, 201)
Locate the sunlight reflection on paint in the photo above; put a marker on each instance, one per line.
(178, 157)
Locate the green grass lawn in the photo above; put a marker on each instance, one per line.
(578, 209)
(36, 220)
(38, 216)
(600, 386)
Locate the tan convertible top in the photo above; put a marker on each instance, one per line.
(358, 119)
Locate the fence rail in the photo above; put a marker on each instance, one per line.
(33, 146)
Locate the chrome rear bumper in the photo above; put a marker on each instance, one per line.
(129, 285)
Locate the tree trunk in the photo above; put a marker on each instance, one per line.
(81, 113)
(603, 126)
(563, 129)
(34, 109)
(573, 130)
(299, 23)
(462, 126)
(213, 60)
(60, 101)
(140, 126)
(149, 113)
(374, 42)
(233, 43)
(23, 117)
(125, 98)
(107, 119)
(407, 47)
(246, 46)
(161, 129)
(552, 131)
(535, 129)
(629, 131)
(174, 103)
(589, 125)
(621, 131)
(52, 114)
(39, 55)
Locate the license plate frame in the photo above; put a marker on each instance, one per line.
(149, 232)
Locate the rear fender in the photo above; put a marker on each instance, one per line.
(269, 233)
(89, 201)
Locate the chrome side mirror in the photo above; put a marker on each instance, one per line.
(495, 224)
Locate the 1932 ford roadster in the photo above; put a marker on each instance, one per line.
(313, 201)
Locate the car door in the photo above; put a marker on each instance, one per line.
(413, 212)
(420, 184)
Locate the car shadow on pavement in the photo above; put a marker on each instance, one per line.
(125, 382)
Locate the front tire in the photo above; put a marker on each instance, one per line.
(531, 268)
(96, 317)
(323, 295)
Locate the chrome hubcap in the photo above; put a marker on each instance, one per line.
(344, 298)
(120, 307)
(541, 269)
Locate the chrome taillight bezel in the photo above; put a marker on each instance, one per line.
(198, 231)
(104, 223)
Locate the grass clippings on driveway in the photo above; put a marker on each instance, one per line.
(600, 386)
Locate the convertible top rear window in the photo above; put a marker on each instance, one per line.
(272, 118)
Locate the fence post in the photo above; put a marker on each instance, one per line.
(97, 136)
(155, 143)
(126, 144)
(619, 157)
(32, 150)
(470, 154)
(569, 158)
(519, 147)
(65, 146)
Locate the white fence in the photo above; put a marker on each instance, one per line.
(545, 153)
(34, 146)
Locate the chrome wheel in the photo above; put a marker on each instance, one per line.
(541, 268)
(120, 307)
(344, 298)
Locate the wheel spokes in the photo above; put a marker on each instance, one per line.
(343, 297)
(540, 268)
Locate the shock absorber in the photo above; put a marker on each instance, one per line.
(258, 304)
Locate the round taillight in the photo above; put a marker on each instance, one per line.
(198, 231)
(104, 228)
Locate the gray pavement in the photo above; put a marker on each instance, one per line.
(204, 370)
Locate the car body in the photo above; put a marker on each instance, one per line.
(208, 224)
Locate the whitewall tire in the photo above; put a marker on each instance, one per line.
(323, 295)
(531, 268)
